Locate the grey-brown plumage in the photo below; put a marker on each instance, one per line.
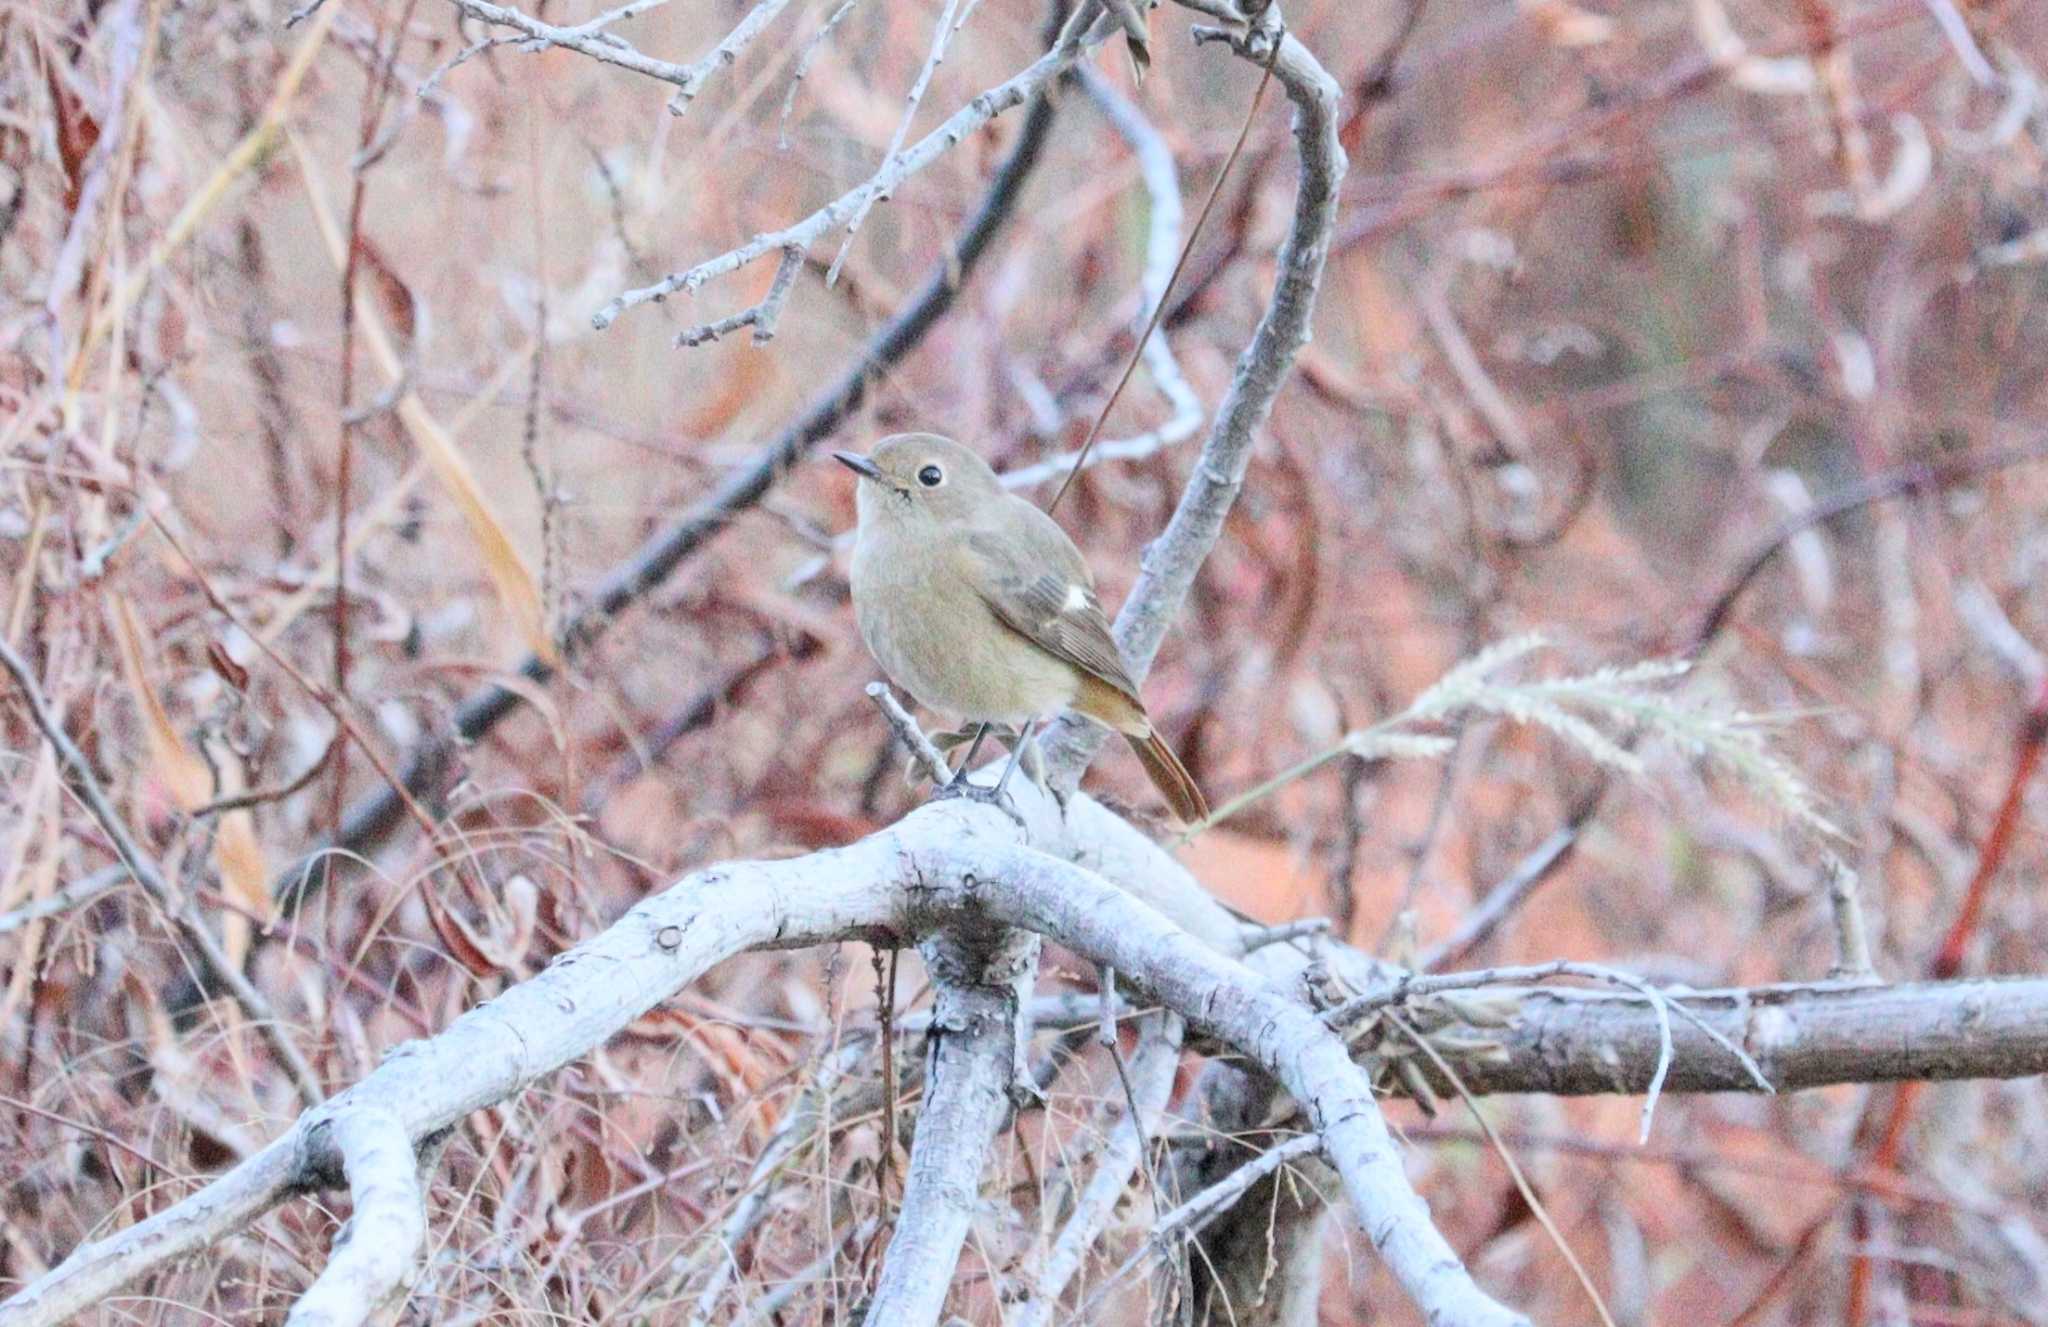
(977, 603)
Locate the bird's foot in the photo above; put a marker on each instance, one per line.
(960, 786)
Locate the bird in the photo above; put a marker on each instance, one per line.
(977, 603)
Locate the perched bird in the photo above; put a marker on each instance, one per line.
(977, 603)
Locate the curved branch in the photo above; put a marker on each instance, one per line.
(494, 1050)
(1221, 996)
(1170, 564)
(1168, 569)
(377, 1251)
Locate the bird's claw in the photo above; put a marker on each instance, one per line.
(960, 786)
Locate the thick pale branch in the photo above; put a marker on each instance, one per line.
(981, 981)
(376, 1252)
(1577, 1043)
(1221, 996)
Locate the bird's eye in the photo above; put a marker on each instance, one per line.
(931, 476)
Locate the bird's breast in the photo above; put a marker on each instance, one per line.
(936, 638)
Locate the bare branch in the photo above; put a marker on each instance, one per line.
(957, 861)
(378, 1250)
(1173, 559)
(981, 984)
(722, 55)
(1852, 938)
(907, 732)
(761, 317)
(63, 899)
(812, 46)
(97, 1269)
(1218, 1198)
(589, 39)
(792, 1133)
(800, 236)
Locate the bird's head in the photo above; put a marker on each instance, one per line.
(919, 477)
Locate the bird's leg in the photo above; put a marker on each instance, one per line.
(960, 775)
(1016, 754)
(960, 787)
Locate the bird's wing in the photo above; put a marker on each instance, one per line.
(1036, 582)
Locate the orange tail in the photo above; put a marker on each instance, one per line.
(1169, 776)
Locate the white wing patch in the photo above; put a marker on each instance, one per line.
(1077, 599)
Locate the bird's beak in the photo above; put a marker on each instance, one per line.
(860, 465)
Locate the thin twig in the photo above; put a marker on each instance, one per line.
(1015, 91)
(1158, 309)
(1852, 938)
(213, 959)
(928, 757)
(943, 29)
(761, 317)
(590, 39)
(728, 50)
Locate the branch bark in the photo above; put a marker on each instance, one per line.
(1583, 1043)
(377, 1252)
(982, 979)
(1168, 569)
